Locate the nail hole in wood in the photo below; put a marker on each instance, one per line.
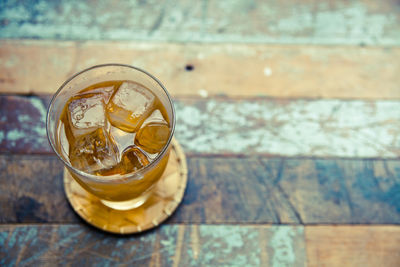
(189, 67)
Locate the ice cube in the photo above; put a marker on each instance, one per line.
(154, 133)
(121, 138)
(132, 159)
(93, 152)
(106, 92)
(86, 113)
(129, 106)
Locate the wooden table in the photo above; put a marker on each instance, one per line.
(289, 114)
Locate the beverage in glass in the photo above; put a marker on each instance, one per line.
(112, 127)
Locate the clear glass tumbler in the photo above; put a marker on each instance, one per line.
(121, 192)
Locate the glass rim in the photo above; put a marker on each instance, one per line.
(115, 177)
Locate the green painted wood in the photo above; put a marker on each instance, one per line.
(23, 124)
(306, 22)
(169, 245)
(232, 190)
(224, 126)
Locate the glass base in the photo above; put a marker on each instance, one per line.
(151, 210)
(128, 204)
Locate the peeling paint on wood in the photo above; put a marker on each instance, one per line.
(229, 190)
(282, 244)
(290, 128)
(194, 240)
(80, 245)
(216, 69)
(316, 128)
(178, 246)
(220, 245)
(23, 124)
(309, 22)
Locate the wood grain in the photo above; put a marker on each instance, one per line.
(216, 245)
(263, 91)
(232, 190)
(308, 22)
(32, 190)
(223, 126)
(170, 245)
(230, 69)
(353, 245)
(23, 124)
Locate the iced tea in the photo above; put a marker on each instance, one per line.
(114, 128)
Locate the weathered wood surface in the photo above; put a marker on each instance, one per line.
(228, 190)
(215, 126)
(23, 124)
(202, 245)
(353, 245)
(29, 66)
(170, 245)
(239, 175)
(308, 22)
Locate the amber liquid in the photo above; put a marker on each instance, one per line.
(115, 128)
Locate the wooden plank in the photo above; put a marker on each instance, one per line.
(353, 245)
(215, 126)
(228, 190)
(343, 191)
(169, 245)
(309, 22)
(32, 191)
(230, 69)
(198, 245)
(23, 125)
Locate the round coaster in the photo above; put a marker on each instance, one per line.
(163, 201)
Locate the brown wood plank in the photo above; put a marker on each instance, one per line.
(228, 190)
(309, 22)
(344, 191)
(353, 245)
(32, 190)
(262, 126)
(169, 245)
(227, 69)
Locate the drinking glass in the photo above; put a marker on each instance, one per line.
(121, 192)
